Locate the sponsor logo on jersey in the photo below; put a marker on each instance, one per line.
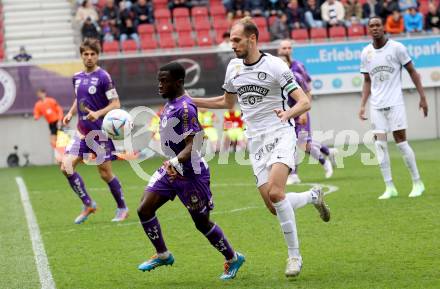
(382, 68)
(252, 88)
(94, 80)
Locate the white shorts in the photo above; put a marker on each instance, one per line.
(388, 119)
(274, 147)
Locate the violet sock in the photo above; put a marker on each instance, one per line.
(79, 188)
(219, 241)
(154, 233)
(116, 190)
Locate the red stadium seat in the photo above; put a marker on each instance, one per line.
(204, 38)
(221, 25)
(185, 39)
(167, 41)
(110, 47)
(318, 33)
(218, 10)
(148, 44)
(260, 22)
(168, 28)
(201, 24)
(162, 14)
(199, 12)
(356, 31)
(146, 29)
(180, 12)
(300, 35)
(337, 32)
(160, 4)
(263, 36)
(182, 24)
(129, 46)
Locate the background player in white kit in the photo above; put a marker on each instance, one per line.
(381, 65)
(258, 79)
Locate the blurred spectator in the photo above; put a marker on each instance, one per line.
(90, 30)
(295, 15)
(144, 12)
(432, 22)
(255, 7)
(178, 3)
(353, 12)
(280, 28)
(275, 6)
(22, 56)
(332, 13)
(127, 26)
(226, 43)
(394, 24)
(86, 10)
(108, 31)
(406, 4)
(237, 9)
(413, 20)
(370, 9)
(387, 8)
(312, 14)
(111, 13)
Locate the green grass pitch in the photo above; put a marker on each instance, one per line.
(367, 244)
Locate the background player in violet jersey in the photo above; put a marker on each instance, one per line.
(381, 64)
(260, 82)
(95, 95)
(185, 174)
(319, 151)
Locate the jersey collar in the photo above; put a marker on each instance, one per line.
(252, 64)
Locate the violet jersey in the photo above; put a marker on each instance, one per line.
(177, 121)
(302, 83)
(298, 67)
(261, 88)
(384, 65)
(94, 91)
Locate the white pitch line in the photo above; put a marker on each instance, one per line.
(46, 279)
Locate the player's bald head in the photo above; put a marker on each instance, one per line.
(285, 48)
(246, 26)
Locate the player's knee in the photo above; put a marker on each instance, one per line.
(203, 227)
(145, 211)
(276, 193)
(106, 174)
(64, 168)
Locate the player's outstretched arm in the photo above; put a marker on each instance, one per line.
(415, 77)
(366, 91)
(226, 100)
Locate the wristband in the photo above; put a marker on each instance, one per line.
(178, 166)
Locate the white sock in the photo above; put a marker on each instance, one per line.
(383, 158)
(410, 160)
(163, 255)
(286, 217)
(299, 200)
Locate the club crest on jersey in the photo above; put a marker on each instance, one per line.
(262, 75)
(92, 89)
(164, 122)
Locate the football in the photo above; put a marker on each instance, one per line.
(117, 124)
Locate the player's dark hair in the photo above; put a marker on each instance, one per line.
(175, 69)
(375, 17)
(90, 43)
(249, 27)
